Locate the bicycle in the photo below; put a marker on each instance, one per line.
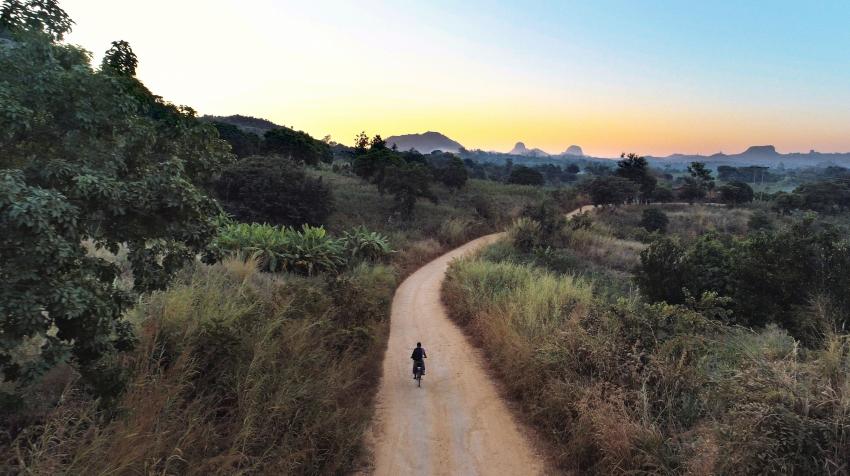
(417, 374)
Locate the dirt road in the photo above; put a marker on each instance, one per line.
(456, 423)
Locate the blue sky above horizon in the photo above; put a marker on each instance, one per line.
(651, 77)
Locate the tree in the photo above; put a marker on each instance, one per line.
(273, 190)
(296, 145)
(610, 190)
(698, 184)
(120, 59)
(361, 143)
(654, 219)
(573, 169)
(88, 156)
(372, 165)
(635, 168)
(453, 174)
(408, 182)
(522, 175)
(785, 202)
(735, 193)
(34, 16)
(660, 273)
(242, 143)
(830, 196)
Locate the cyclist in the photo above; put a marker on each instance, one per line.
(419, 357)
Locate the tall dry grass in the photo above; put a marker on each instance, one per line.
(236, 372)
(632, 388)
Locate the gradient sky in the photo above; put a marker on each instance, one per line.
(650, 77)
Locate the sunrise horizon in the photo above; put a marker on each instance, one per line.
(673, 79)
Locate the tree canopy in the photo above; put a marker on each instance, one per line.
(273, 190)
(635, 168)
(522, 175)
(88, 156)
(296, 145)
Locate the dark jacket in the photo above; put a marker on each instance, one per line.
(418, 354)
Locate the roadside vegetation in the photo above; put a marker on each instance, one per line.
(741, 368)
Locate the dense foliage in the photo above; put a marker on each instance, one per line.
(735, 193)
(611, 190)
(697, 184)
(273, 190)
(635, 168)
(654, 219)
(88, 156)
(308, 250)
(242, 143)
(407, 176)
(296, 145)
(522, 175)
(769, 277)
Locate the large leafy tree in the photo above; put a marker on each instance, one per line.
(87, 156)
(611, 190)
(635, 168)
(273, 190)
(408, 182)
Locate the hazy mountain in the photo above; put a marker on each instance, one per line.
(760, 150)
(521, 149)
(424, 143)
(246, 123)
(573, 150)
(762, 155)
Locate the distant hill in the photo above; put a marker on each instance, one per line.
(573, 150)
(761, 155)
(424, 143)
(521, 149)
(246, 123)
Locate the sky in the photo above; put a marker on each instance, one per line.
(652, 77)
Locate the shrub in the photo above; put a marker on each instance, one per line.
(526, 234)
(581, 221)
(273, 190)
(457, 230)
(654, 219)
(308, 251)
(362, 244)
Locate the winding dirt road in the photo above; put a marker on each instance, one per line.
(456, 423)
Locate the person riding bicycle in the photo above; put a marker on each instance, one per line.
(419, 357)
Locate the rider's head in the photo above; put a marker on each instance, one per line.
(418, 344)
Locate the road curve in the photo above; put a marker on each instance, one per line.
(456, 423)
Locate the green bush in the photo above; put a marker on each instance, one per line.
(526, 234)
(362, 244)
(308, 251)
(654, 219)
